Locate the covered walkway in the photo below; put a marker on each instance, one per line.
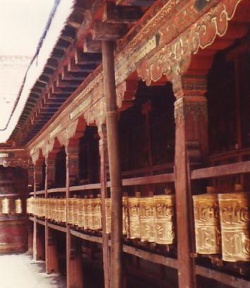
(20, 271)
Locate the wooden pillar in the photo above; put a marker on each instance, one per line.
(51, 257)
(191, 148)
(103, 179)
(37, 245)
(30, 237)
(73, 154)
(114, 164)
(73, 255)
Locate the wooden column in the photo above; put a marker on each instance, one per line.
(73, 154)
(37, 245)
(103, 179)
(114, 164)
(73, 254)
(190, 148)
(51, 257)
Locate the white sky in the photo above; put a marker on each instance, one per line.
(22, 23)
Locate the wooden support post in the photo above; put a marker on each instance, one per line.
(37, 184)
(51, 256)
(114, 164)
(74, 270)
(103, 179)
(30, 237)
(191, 147)
(73, 154)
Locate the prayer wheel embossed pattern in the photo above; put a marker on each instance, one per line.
(164, 219)
(235, 223)
(207, 224)
(146, 215)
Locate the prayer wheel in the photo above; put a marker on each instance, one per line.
(146, 217)
(134, 218)
(108, 215)
(235, 223)
(207, 224)
(125, 215)
(96, 214)
(81, 203)
(13, 224)
(164, 219)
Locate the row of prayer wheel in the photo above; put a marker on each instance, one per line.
(10, 206)
(146, 218)
(222, 225)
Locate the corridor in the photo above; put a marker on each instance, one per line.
(20, 271)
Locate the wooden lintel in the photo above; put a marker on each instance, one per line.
(92, 46)
(142, 3)
(121, 14)
(108, 31)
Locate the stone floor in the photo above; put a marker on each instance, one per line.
(20, 271)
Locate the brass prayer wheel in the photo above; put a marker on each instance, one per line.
(108, 215)
(18, 206)
(146, 216)
(96, 213)
(6, 206)
(235, 223)
(164, 219)
(81, 207)
(88, 214)
(133, 218)
(207, 224)
(125, 215)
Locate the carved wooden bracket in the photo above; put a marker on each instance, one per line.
(174, 59)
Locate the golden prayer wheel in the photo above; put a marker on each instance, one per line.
(235, 226)
(75, 211)
(164, 219)
(70, 211)
(88, 214)
(108, 215)
(207, 224)
(146, 217)
(133, 218)
(18, 206)
(96, 213)
(6, 206)
(81, 207)
(125, 215)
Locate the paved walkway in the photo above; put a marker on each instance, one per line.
(20, 271)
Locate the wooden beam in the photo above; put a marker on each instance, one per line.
(154, 258)
(121, 14)
(223, 278)
(92, 46)
(107, 31)
(222, 170)
(142, 3)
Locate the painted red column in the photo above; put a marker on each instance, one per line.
(191, 148)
